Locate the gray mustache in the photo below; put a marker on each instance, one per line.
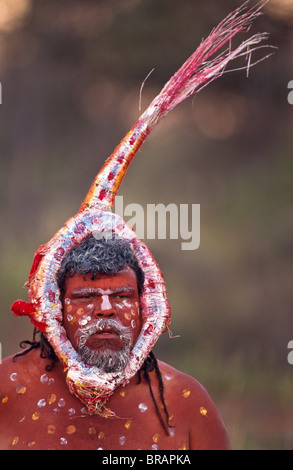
(88, 330)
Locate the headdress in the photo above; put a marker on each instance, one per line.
(44, 309)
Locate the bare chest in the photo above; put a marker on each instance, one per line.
(45, 417)
(72, 429)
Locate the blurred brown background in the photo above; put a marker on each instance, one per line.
(71, 72)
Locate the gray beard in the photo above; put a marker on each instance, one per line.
(106, 360)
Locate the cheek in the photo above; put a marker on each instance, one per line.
(129, 315)
(128, 311)
(89, 307)
(76, 315)
(70, 329)
(67, 309)
(70, 321)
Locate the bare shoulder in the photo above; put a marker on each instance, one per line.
(11, 374)
(6, 364)
(12, 385)
(8, 368)
(181, 382)
(17, 373)
(194, 409)
(12, 366)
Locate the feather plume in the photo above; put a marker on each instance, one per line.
(205, 65)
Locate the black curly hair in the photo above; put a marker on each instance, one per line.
(96, 257)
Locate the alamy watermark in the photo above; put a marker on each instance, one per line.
(290, 355)
(157, 221)
(290, 94)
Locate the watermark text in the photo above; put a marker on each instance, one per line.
(157, 221)
(290, 355)
(290, 94)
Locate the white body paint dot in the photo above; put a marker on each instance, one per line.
(168, 377)
(44, 379)
(41, 403)
(71, 411)
(61, 402)
(171, 432)
(142, 407)
(122, 440)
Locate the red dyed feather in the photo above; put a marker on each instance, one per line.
(202, 67)
(21, 308)
(200, 70)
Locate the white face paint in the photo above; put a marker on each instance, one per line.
(105, 292)
(106, 304)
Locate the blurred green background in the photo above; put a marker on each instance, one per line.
(71, 72)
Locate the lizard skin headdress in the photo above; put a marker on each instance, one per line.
(45, 309)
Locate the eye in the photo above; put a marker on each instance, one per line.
(83, 297)
(121, 296)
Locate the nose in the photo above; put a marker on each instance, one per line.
(104, 308)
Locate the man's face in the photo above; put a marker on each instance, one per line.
(102, 318)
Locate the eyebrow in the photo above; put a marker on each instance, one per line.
(96, 290)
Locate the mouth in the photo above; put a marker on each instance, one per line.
(106, 334)
(103, 337)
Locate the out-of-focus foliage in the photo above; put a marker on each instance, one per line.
(71, 72)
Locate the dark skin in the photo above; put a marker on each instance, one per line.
(37, 410)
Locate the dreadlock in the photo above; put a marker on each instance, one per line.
(47, 352)
(149, 365)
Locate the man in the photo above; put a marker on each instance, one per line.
(97, 384)
(161, 408)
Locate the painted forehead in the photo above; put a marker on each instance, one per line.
(125, 279)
